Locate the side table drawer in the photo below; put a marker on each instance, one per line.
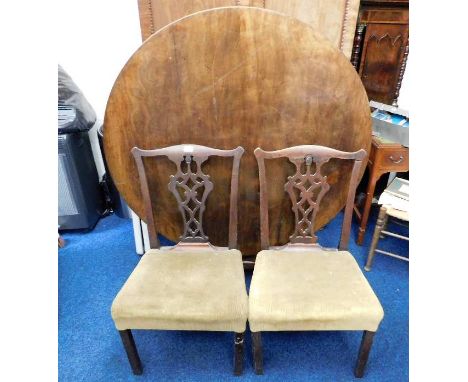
(394, 159)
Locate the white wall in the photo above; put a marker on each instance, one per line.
(95, 39)
(405, 93)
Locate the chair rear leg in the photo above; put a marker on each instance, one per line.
(364, 351)
(238, 353)
(257, 352)
(132, 353)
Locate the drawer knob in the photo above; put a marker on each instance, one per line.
(396, 161)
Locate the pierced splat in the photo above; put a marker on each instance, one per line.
(306, 192)
(191, 188)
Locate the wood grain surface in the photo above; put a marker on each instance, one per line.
(335, 19)
(227, 77)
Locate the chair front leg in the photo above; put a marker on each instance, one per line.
(238, 353)
(132, 353)
(363, 355)
(381, 221)
(257, 352)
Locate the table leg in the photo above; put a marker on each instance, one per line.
(373, 178)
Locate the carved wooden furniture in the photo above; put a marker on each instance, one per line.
(383, 158)
(301, 285)
(380, 231)
(381, 47)
(192, 285)
(335, 19)
(244, 75)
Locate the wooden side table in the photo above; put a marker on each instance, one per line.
(384, 157)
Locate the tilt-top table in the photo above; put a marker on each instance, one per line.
(227, 77)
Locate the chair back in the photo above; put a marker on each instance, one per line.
(306, 189)
(191, 187)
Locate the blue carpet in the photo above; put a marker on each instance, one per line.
(93, 266)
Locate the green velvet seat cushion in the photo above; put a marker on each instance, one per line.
(174, 290)
(321, 290)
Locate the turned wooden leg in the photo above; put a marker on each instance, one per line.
(257, 352)
(384, 226)
(238, 353)
(381, 220)
(364, 351)
(374, 177)
(132, 353)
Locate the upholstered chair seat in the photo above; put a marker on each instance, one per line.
(311, 290)
(180, 290)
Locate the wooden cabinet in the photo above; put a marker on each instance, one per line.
(381, 47)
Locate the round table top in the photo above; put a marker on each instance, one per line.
(227, 77)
